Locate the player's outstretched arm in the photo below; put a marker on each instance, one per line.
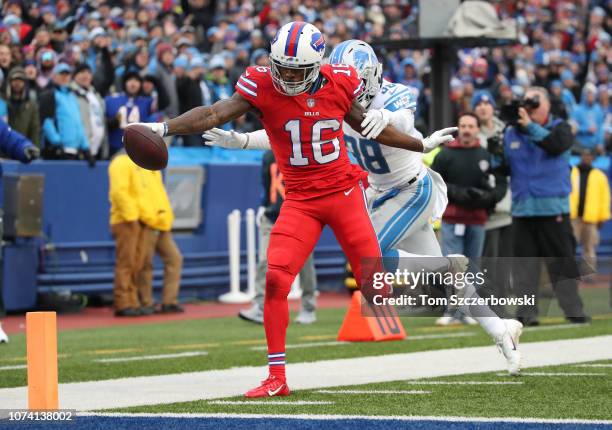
(234, 140)
(202, 118)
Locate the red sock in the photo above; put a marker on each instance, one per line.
(276, 318)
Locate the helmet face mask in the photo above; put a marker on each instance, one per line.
(293, 86)
(295, 57)
(361, 56)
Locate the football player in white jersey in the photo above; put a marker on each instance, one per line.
(404, 195)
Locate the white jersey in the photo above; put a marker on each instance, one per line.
(387, 166)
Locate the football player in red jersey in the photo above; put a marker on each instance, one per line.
(302, 105)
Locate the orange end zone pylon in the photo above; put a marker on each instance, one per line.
(41, 339)
(384, 326)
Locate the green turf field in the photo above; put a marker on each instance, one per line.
(532, 395)
(232, 342)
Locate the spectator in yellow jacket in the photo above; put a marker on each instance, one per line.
(589, 205)
(126, 230)
(156, 217)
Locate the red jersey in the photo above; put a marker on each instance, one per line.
(305, 131)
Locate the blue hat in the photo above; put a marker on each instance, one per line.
(196, 62)
(47, 9)
(47, 56)
(62, 68)
(181, 62)
(217, 62)
(566, 75)
(211, 31)
(137, 33)
(257, 54)
(482, 96)
(98, 31)
(556, 84)
(11, 20)
(408, 62)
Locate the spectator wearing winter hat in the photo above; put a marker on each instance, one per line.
(125, 108)
(219, 84)
(46, 60)
(568, 94)
(63, 131)
(410, 75)
(260, 57)
(193, 92)
(99, 59)
(23, 114)
(167, 79)
(590, 118)
(92, 108)
(557, 107)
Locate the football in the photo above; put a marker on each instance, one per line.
(147, 149)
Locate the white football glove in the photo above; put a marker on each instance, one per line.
(375, 121)
(438, 138)
(225, 139)
(159, 128)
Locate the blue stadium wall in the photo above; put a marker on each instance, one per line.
(77, 253)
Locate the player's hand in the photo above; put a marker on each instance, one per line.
(438, 138)
(31, 153)
(159, 128)
(375, 121)
(225, 139)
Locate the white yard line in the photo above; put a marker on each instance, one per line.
(421, 382)
(270, 402)
(557, 374)
(151, 357)
(594, 365)
(187, 416)
(217, 384)
(555, 327)
(15, 367)
(339, 343)
(373, 392)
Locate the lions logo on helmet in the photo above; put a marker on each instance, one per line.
(299, 46)
(361, 56)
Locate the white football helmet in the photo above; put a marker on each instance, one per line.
(361, 56)
(297, 45)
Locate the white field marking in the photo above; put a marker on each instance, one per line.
(421, 382)
(373, 392)
(151, 357)
(345, 417)
(270, 402)
(594, 365)
(218, 384)
(17, 366)
(555, 327)
(338, 343)
(556, 374)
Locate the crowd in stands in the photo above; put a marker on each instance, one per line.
(74, 73)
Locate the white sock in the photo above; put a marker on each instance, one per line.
(485, 316)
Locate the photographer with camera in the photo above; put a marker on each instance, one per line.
(536, 150)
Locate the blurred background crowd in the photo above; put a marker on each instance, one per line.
(75, 73)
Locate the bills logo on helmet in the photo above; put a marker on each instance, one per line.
(275, 38)
(317, 42)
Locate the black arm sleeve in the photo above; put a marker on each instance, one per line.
(559, 140)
